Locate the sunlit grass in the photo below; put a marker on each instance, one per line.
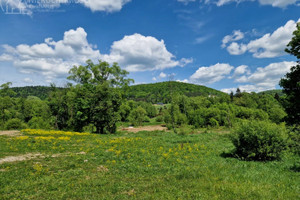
(145, 165)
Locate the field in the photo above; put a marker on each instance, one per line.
(145, 165)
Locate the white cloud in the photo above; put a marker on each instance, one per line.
(52, 58)
(162, 75)
(269, 46)
(28, 80)
(55, 58)
(5, 57)
(183, 81)
(228, 90)
(211, 74)
(186, 1)
(274, 3)
(142, 53)
(104, 5)
(264, 78)
(236, 49)
(242, 69)
(235, 36)
(28, 7)
(278, 3)
(269, 76)
(154, 79)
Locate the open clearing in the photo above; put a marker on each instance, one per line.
(52, 165)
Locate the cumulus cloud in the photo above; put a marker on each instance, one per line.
(183, 81)
(239, 71)
(104, 5)
(264, 78)
(237, 49)
(162, 75)
(55, 58)
(270, 75)
(142, 53)
(235, 36)
(211, 74)
(52, 58)
(268, 46)
(5, 57)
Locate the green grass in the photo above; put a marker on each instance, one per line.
(146, 165)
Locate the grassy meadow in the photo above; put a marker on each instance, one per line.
(144, 165)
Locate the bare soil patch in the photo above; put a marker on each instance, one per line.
(10, 133)
(145, 128)
(31, 156)
(28, 156)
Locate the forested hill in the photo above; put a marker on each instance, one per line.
(38, 91)
(153, 92)
(273, 92)
(160, 92)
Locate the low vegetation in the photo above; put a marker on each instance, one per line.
(144, 165)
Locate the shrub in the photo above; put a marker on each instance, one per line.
(184, 130)
(213, 122)
(259, 140)
(137, 116)
(294, 139)
(13, 124)
(38, 123)
(159, 118)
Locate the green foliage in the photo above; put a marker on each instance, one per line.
(39, 123)
(260, 140)
(294, 139)
(15, 124)
(97, 97)
(138, 116)
(272, 92)
(5, 90)
(291, 87)
(291, 81)
(293, 47)
(160, 92)
(41, 92)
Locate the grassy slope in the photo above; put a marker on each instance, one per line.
(148, 165)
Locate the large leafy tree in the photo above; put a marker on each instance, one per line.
(291, 81)
(97, 97)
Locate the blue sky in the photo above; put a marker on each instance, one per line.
(223, 44)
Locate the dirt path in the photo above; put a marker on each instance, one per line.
(31, 156)
(10, 133)
(145, 128)
(28, 156)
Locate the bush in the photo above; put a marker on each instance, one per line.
(159, 118)
(14, 124)
(137, 116)
(38, 123)
(184, 130)
(294, 139)
(259, 140)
